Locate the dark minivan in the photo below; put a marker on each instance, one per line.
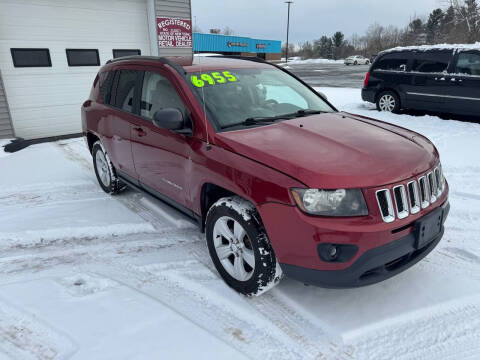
(442, 79)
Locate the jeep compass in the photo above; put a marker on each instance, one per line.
(281, 182)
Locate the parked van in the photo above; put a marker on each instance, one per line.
(434, 78)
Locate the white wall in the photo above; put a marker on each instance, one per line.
(46, 101)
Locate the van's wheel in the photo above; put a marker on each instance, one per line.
(388, 101)
(105, 171)
(240, 248)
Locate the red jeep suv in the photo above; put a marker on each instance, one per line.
(280, 181)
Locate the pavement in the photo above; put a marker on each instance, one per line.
(330, 75)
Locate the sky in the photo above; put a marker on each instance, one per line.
(309, 19)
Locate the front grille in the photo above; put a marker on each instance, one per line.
(418, 194)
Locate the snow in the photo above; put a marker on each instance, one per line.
(85, 275)
(475, 46)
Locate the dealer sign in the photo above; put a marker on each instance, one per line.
(174, 32)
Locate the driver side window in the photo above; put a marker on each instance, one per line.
(157, 94)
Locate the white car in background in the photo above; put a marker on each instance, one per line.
(357, 60)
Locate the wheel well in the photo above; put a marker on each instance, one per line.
(91, 139)
(211, 193)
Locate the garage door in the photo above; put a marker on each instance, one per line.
(45, 101)
(6, 130)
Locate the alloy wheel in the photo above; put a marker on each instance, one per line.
(102, 168)
(387, 103)
(234, 248)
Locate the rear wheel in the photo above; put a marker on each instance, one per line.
(105, 171)
(388, 101)
(240, 248)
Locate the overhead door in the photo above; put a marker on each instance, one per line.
(6, 130)
(45, 101)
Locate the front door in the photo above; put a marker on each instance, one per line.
(465, 84)
(161, 157)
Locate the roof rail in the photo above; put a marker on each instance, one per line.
(163, 60)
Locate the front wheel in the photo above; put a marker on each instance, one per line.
(388, 101)
(239, 247)
(355, 63)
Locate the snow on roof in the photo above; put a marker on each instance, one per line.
(475, 46)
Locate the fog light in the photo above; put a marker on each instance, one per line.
(338, 253)
(333, 252)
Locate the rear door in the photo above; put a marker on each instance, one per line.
(430, 82)
(115, 125)
(162, 157)
(465, 83)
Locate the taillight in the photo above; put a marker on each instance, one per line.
(367, 77)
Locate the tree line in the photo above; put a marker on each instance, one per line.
(457, 22)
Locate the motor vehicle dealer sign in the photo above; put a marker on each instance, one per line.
(174, 32)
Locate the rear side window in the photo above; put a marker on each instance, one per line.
(106, 82)
(393, 62)
(468, 63)
(431, 61)
(124, 95)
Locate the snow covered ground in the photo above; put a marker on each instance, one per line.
(87, 276)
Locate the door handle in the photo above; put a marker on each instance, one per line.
(140, 131)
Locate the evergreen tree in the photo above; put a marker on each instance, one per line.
(433, 26)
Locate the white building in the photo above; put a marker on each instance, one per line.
(51, 50)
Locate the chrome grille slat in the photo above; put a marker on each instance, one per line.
(424, 193)
(432, 187)
(413, 196)
(385, 204)
(401, 204)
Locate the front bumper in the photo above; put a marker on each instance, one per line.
(380, 250)
(373, 266)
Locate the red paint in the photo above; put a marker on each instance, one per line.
(261, 164)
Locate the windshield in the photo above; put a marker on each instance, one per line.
(235, 96)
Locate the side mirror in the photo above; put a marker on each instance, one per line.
(170, 119)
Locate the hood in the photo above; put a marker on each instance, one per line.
(335, 150)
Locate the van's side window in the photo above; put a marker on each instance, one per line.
(125, 90)
(468, 63)
(158, 93)
(392, 62)
(431, 61)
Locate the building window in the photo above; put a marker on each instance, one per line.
(125, 52)
(83, 57)
(31, 57)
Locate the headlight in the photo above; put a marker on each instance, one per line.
(340, 202)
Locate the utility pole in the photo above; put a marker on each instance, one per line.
(288, 28)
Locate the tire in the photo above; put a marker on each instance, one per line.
(355, 63)
(105, 171)
(388, 101)
(367, 62)
(235, 233)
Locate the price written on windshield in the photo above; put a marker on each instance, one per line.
(214, 78)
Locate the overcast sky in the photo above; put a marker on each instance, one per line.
(309, 19)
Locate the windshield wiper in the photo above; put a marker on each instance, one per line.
(258, 120)
(270, 119)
